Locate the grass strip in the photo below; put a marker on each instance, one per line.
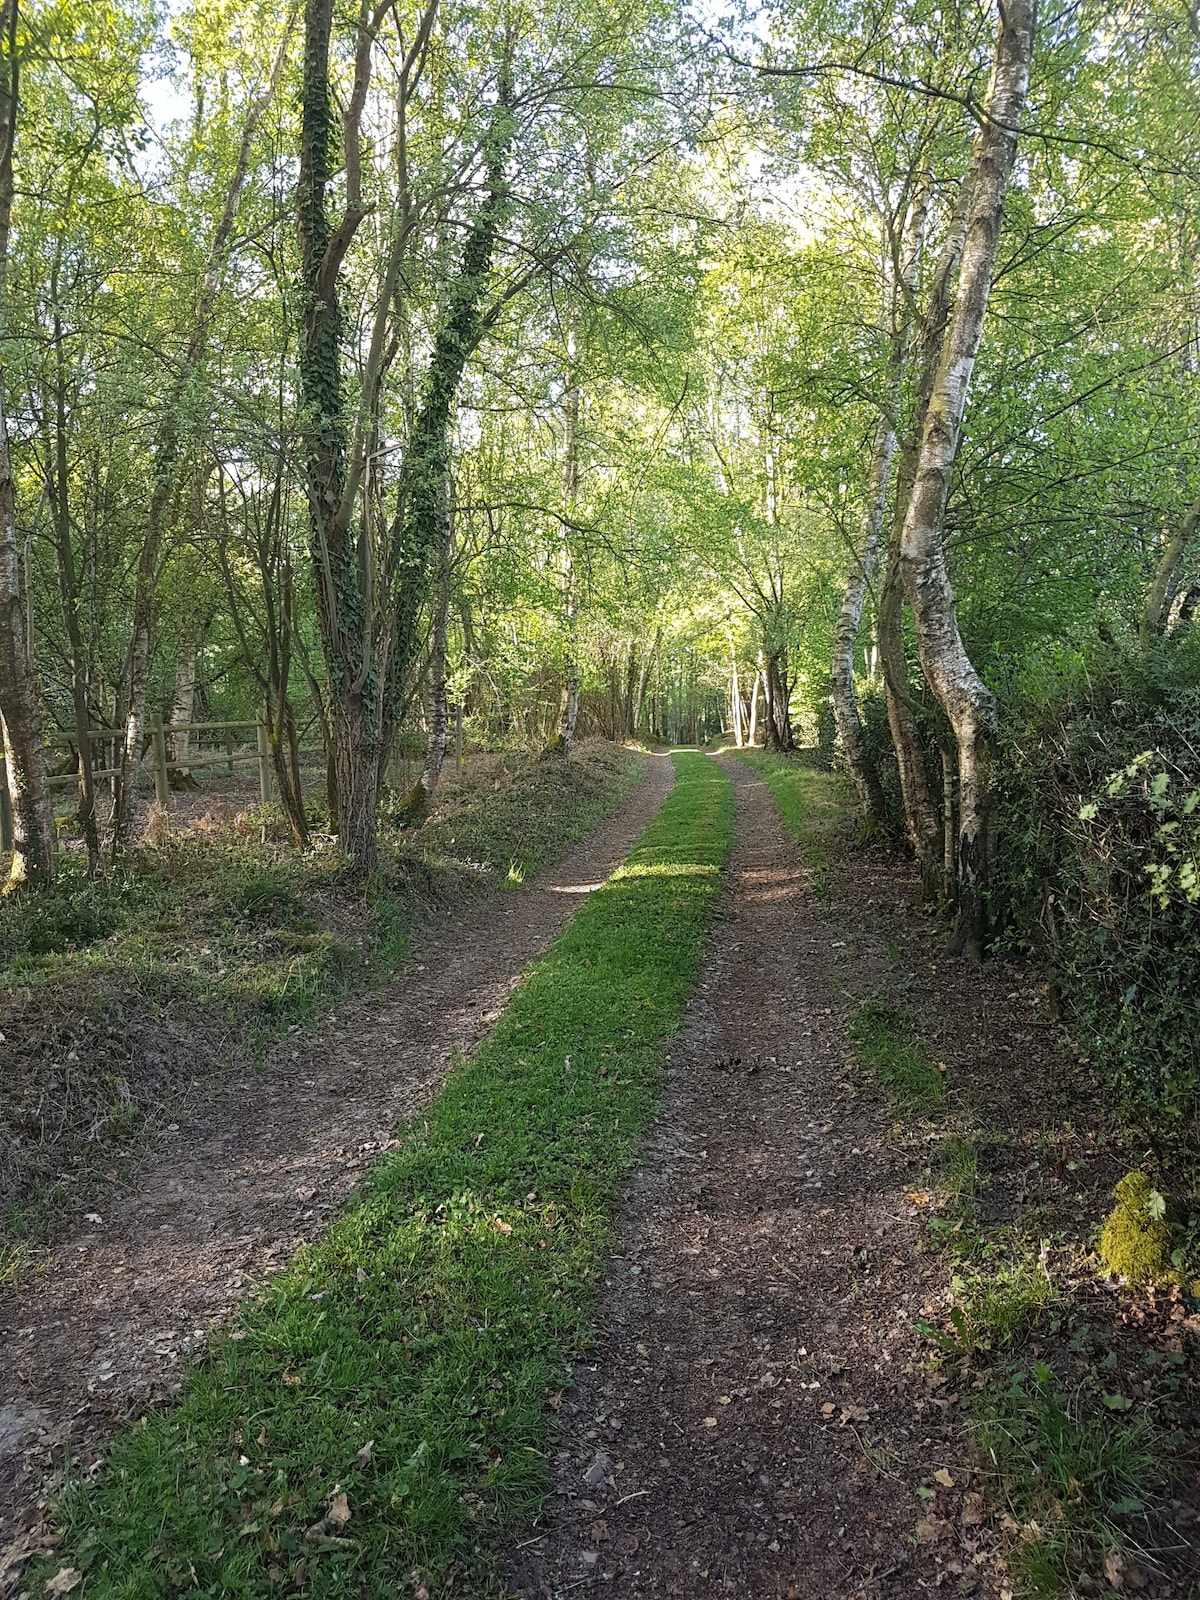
(381, 1411)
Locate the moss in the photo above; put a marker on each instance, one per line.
(1136, 1243)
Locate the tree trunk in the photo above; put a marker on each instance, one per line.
(58, 482)
(1158, 596)
(845, 702)
(753, 731)
(421, 529)
(183, 705)
(353, 683)
(920, 818)
(416, 803)
(648, 661)
(735, 697)
(967, 702)
(25, 760)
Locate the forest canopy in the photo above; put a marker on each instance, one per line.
(809, 373)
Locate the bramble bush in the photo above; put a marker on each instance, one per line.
(1098, 866)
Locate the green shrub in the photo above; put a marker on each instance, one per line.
(1098, 870)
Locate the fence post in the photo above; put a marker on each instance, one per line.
(162, 787)
(6, 819)
(264, 761)
(229, 751)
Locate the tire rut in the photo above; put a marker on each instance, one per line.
(254, 1169)
(753, 1422)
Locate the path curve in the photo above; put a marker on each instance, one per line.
(753, 1423)
(254, 1170)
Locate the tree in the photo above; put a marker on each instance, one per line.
(33, 818)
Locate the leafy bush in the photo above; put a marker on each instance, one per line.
(1099, 828)
(74, 913)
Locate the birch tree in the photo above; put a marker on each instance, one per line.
(968, 703)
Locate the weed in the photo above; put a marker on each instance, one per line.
(999, 1302)
(406, 1359)
(1074, 1478)
(958, 1171)
(884, 1043)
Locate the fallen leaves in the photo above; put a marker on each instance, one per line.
(325, 1532)
(943, 1477)
(1123, 1575)
(63, 1581)
(932, 1530)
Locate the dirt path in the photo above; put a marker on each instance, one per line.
(758, 1416)
(254, 1170)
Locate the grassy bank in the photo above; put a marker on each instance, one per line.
(1078, 1401)
(383, 1410)
(115, 995)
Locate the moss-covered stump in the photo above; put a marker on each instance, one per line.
(1136, 1241)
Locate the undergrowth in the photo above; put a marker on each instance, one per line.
(383, 1410)
(537, 814)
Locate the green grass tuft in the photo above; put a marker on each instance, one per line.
(885, 1045)
(435, 1318)
(1073, 1477)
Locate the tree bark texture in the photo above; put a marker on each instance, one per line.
(845, 702)
(25, 759)
(966, 700)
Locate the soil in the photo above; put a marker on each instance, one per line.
(760, 1411)
(251, 1171)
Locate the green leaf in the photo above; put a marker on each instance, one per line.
(1116, 1402)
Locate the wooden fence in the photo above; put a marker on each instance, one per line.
(156, 756)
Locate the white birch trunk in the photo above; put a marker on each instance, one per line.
(183, 706)
(845, 704)
(968, 703)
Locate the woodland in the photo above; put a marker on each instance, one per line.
(398, 398)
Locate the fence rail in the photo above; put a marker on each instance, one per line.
(155, 754)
